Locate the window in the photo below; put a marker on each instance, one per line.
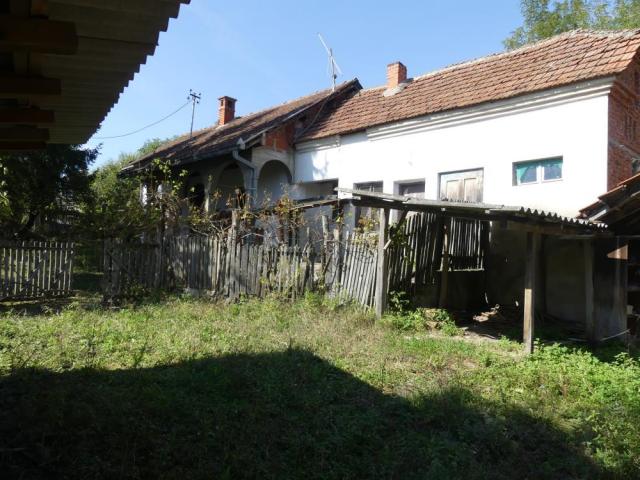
(413, 189)
(365, 215)
(537, 171)
(462, 186)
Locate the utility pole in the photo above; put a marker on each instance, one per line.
(195, 99)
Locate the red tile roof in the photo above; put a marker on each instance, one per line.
(562, 60)
(619, 208)
(220, 139)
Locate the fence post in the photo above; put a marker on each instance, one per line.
(325, 247)
(337, 258)
(444, 277)
(382, 268)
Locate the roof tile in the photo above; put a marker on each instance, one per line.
(568, 58)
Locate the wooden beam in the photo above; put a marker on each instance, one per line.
(37, 35)
(24, 133)
(13, 147)
(531, 265)
(12, 86)
(26, 115)
(382, 267)
(589, 314)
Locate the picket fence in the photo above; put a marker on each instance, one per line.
(211, 265)
(343, 267)
(35, 269)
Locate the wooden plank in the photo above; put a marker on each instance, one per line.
(37, 35)
(18, 146)
(531, 266)
(12, 86)
(382, 267)
(590, 325)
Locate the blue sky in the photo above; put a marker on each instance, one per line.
(266, 52)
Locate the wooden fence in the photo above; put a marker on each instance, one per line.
(355, 279)
(467, 241)
(35, 269)
(212, 265)
(344, 266)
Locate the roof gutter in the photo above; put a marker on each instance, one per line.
(235, 153)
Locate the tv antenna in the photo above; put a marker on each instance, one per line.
(195, 99)
(333, 65)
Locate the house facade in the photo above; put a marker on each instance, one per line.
(549, 126)
(246, 158)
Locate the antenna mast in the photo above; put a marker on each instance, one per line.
(195, 99)
(333, 65)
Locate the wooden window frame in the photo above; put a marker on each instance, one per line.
(461, 173)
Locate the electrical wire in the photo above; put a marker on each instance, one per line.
(145, 127)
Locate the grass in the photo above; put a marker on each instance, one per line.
(264, 389)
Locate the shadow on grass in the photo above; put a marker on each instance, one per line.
(281, 415)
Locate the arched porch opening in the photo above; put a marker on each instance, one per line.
(230, 189)
(273, 181)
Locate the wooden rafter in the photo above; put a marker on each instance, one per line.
(12, 86)
(31, 116)
(21, 146)
(24, 133)
(37, 35)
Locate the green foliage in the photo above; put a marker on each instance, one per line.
(403, 317)
(265, 389)
(546, 18)
(47, 186)
(116, 207)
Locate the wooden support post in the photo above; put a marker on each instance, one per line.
(620, 286)
(531, 265)
(325, 244)
(382, 269)
(542, 275)
(444, 276)
(589, 314)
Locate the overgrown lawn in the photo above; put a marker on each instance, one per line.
(268, 389)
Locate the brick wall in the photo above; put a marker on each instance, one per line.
(624, 126)
(283, 138)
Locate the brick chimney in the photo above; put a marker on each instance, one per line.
(226, 110)
(396, 74)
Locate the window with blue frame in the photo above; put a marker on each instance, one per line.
(537, 171)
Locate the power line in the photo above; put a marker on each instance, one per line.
(146, 126)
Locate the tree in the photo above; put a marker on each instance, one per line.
(116, 208)
(543, 18)
(45, 185)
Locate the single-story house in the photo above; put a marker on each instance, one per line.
(548, 127)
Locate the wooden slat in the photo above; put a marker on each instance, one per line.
(12, 86)
(24, 133)
(34, 116)
(37, 35)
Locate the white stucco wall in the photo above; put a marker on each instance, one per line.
(574, 127)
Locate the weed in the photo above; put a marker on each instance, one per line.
(190, 388)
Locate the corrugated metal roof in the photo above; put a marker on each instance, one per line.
(462, 209)
(113, 39)
(619, 208)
